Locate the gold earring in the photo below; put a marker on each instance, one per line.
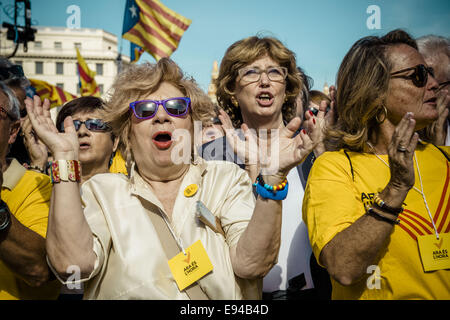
(383, 111)
(234, 102)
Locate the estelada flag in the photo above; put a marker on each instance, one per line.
(54, 94)
(135, 52)
(88, 86)
(153, 26)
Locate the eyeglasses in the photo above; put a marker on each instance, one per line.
(419, 77)
(147, 109)
(96, 125)
(7, 113)
(253, 74)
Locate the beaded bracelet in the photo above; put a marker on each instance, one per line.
(383, 206)
(65, 170)
(276, 192)
(278, 187)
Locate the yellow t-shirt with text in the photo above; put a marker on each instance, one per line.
(335, 196)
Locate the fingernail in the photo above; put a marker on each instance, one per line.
(314, 121)
(310, 112)
(303, 131)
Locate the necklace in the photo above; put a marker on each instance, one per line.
(422, 193)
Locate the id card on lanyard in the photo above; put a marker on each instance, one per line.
(434, 252)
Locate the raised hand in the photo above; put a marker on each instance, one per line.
(37, 150)
(331, 115)
(246, 150)
(63, 146)
(317, 127)
(401, 153)
(292, 150)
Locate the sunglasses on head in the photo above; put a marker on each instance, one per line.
(419, 77)
(96, 125)
(12, 72)
(147, 109)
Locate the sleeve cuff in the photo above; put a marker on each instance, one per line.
(75, 277)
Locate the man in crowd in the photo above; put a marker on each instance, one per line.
(24, 207)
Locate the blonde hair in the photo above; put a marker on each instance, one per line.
(316, 97)
(362, 85)
(244, 52)
(138, 81)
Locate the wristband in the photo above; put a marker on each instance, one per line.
(269, 194)
(383, 206)
(65, 170)
(379, 216)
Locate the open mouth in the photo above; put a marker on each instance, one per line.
(162, 139)
(264, 99)
(84, 145)
(431, 101)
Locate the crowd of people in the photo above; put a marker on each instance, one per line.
(278, 192)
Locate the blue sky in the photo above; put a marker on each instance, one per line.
(319, 32)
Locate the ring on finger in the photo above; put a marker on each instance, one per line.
(401, 149)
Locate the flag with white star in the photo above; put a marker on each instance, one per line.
(153, 27)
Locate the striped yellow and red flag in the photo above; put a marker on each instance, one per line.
(54, 94)
(154, 27)
(88, 86)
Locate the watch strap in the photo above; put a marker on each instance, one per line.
(4, 211)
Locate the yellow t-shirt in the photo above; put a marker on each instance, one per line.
(118, 164)
(335, 198)
(27, 194)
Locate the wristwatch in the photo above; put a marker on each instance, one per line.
(5, 216)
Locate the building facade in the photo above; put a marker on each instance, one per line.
(52, 56)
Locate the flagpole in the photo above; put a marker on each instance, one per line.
(119, 55)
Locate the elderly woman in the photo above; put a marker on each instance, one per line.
(436, 52)
(97, 144)
(139, 237)
(257, 87)
(377, 206)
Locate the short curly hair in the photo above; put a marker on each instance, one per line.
(138, 81)
(244, 52)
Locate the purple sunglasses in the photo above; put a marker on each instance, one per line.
(175, 107)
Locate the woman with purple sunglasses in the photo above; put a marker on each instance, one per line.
(178, 227)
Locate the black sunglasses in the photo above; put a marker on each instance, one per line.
(419, 77)
(96, 125)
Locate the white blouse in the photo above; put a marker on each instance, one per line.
(131, 263)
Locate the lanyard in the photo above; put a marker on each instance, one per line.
(177, 239)
(422, 193)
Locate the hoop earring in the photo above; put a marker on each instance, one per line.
(383, 111)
